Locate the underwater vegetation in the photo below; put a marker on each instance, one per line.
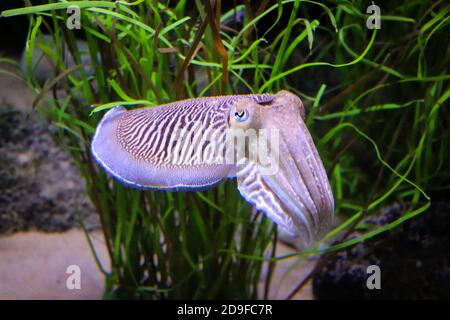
(375, 102)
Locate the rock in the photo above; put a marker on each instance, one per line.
(14, 92)
(414, 260)
(40, 186)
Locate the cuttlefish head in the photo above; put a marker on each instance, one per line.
(280, 172)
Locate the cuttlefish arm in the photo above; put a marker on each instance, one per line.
(170, 147)
(290, 185)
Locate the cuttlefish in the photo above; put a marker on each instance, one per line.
(259, 139)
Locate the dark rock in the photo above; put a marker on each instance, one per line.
(414, 260)
(40, 186)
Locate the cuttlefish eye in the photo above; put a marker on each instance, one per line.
(241, 115)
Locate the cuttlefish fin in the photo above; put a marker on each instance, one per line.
(125, 163)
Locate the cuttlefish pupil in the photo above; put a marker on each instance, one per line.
(142, 148)
(241, 116)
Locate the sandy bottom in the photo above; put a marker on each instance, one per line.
(33, 265)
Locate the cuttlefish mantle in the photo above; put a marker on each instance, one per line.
(259, 139)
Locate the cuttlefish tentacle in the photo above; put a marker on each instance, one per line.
(298, 197)
(166, 147)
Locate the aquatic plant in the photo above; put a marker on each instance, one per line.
(374, 97)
